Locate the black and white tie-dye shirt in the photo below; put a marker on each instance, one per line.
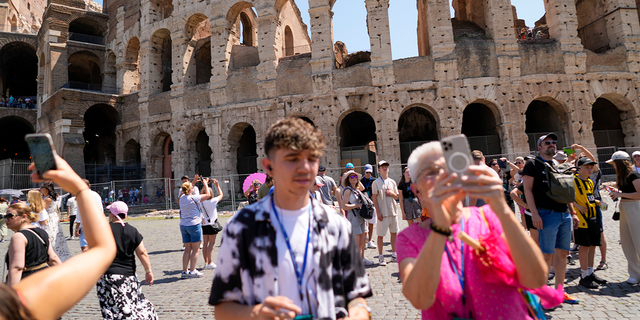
(247, 271)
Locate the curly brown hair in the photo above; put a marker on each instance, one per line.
(295, 134)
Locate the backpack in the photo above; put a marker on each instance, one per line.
(366, 211)
(560, 182)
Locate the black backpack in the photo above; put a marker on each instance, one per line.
(366, 211)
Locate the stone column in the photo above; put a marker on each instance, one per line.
(322, 55)
(499, 19)
(179, 60)
(562, 20)
(147, 54)
(623, 28)
(380, 39)
(59, 61)
(435, 18)
(267, 69)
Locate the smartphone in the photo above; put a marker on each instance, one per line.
(42, 152)
(568, 151)
(457, 154)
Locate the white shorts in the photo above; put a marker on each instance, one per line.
(373, 220)
(387, 223)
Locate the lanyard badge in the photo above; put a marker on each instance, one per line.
(459, 273)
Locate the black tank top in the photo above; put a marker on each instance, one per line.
(36, 252)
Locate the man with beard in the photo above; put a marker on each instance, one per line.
(552, 219)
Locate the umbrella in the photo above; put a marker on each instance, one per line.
(254, 176)
(493, 257)
(11, 192)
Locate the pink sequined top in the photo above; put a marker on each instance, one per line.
(483, 300)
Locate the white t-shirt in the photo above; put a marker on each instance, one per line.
(189, 211)
(42, 216)
(209, 211)
(96, 199)
(386, 204)
(72, 204)
(296, 224)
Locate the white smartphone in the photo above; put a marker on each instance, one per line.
(42, 152)
(457, 155)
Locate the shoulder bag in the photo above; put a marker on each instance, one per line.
(217, 227)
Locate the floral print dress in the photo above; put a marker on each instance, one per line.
(56, 237)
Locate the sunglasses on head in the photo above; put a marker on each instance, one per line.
(353, 176)
(550, 142)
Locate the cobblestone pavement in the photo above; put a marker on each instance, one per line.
(187, 299)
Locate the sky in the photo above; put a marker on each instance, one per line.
(350, 23)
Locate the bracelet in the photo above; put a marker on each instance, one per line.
(79, 192)
(445, 232)
(366, 307)
(147, 271)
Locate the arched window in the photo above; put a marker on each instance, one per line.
(160, 75)
(18, 70)
(100, 123)
(358, 139)
(86, 30)
(131, 79)
(84, 71)
(288, 42)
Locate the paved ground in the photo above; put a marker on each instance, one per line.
(187, 299)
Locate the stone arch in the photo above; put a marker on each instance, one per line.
(292, 36)
(614, 121)
(357, 138)
(198, 52)
(203, 154)
(131, 66)
(417, 124)
(288, 42)
(160, 154)
(12, 130)
(242, 22)
(544, 115)
(86, 26)
(18, 70)
(131, 152)
(481, 123)
(243, 151)
(84, 71)
(160, 59)
(100, 123)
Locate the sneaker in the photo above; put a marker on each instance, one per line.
(195, 274)
(1, 240)
(372, 245)
(571, 261)
(182, 248)
(632, 281)
(588, 282)
(570, 300)
(200, 245)
(597, 279)
(210, 266)
(367, 262)
(184, 275)
(575, 248)
(381, 260)
(394, 257)
(603, 266)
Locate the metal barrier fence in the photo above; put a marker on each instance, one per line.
(14, 174)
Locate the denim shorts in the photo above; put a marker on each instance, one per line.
(555, 232)
(191, 234)
(83, 240)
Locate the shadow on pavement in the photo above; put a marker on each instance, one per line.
(164, 251)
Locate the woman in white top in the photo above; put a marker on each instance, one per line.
(209, 219)
(34, 198)
(56, 237)
(190, 219)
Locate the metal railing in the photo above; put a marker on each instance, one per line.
(14, 174)
(75, 36)
(90, 87)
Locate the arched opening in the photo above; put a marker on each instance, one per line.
(243, 148)
(607, 124)
(167, 150)
(84, 71)
(100, 123)
(593, 24)
(131, 153)
(469, 20)
(198, 31)
(415, 127)
(288, 42)
(12, 130)
(358, 139)
(246, 29)
(243, 42)
(19, 70)
(86, 30)
(352, 43)
(479, 125)
(160, 9)
(541, 118)
(160, 73)
(203, 151)
(131, 79)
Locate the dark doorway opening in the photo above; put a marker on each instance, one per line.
(479, 125)
(543, 118)
(415, 127)
(12, 130)
(19, 70)
(358, 139)
(203, 165)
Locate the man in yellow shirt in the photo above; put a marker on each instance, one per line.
(589, 230)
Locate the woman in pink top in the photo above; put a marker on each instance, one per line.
(440, 279)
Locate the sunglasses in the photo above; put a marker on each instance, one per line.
(494, 164)
(518, 162)
(353, 176)
(550, 142)
(9, 216)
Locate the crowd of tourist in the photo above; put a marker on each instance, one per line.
(304, 226)
(11, 102)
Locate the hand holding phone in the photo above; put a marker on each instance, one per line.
(568, 151)
(42, 152)
(457, 155)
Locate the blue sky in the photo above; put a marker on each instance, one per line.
(350, 25)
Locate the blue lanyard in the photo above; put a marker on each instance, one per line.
(460, 273)
(368, 183)
(299, 273)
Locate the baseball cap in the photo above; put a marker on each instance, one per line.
(368, 168)
(560, 155)
(619, 155)
(635, 153)
(349, 166)
(118, 207)
(548, 135)
(584, 160)
(322, 168)
(383, 163)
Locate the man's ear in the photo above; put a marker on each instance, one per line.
(266, 164)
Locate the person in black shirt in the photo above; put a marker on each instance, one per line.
(367, 181)
(552, 219)
(118, 289)
(628, 182)
(409, 203)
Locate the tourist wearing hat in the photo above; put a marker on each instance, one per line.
(118, 290)
(351, 202)
(314, 191)
(588, 233)
(385, 194)
(628, 190)
(367, 182)
(560, 157)
(636, 161)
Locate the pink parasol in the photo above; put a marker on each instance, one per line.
(254, 176)
(493, 257)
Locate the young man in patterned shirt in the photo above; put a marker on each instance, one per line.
(288, 255)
